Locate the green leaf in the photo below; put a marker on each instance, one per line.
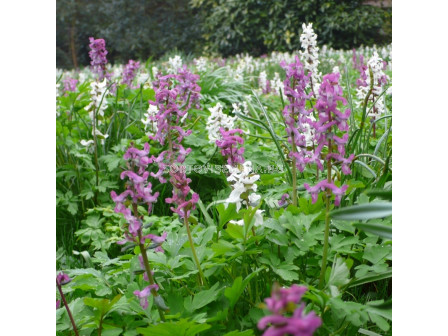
(340, 273)
(240, 333)
(226, 214)
(377, 253)
(178, 328)
(380, 230)
(363, 211)
(112, 161)
(111, 332)
(204, 297)
(235, 231)
(368, 332)
(234, 292)
(371, 278)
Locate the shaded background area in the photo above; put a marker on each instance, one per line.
(140, 29)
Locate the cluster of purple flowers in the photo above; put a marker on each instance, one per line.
(129, 73)
(139, 190)
(330, 121)
(98, 58)
(282, 302)
(296, 116)
(70, 84)
(181, 189)
(229, 146)
(174, 95)
(284, 200)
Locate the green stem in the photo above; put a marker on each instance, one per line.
(327, 222)
(294, 181)
(150, 277)
(195, 257)
(146, 263)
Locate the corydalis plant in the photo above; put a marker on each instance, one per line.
(228, 143)
(139, 192)
(330, 123)
(286, 318)
(379, 80)
(216, 121)
(98, 58)
(310, 55)
(174, 96)
(129, 73)
(297, 119)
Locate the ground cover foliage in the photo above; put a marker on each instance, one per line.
(166, 226)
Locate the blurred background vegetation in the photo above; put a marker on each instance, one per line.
(139, 29)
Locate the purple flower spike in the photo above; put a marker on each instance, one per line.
(331, 121)
(129, 73)
(229, 146)
(138, 189)
(98, 58)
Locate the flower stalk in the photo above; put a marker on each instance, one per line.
(62, 279)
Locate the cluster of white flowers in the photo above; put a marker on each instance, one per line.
(336, 70)
(263, 80)
(145, 79)
(98, 100)
(376, 64)
(216, 120)
(277, 57)
(243, 182)
(201, 64)
(310, 56)
(174, 64)
(148, 122)
(277, 85)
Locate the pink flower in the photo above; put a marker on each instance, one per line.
(282, 301)
(143, 295)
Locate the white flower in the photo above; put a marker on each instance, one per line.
(174, 64)
(243, 182)
(258, 217)
(201, 64)
(263, 80)
(149, 120)
(88, 145)
(100, 135)
(155, 71)
(376, 64)
(336, 69)
(216, 120)
(310, 56)
(144, 78)
(277, 85)
(97, 99)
